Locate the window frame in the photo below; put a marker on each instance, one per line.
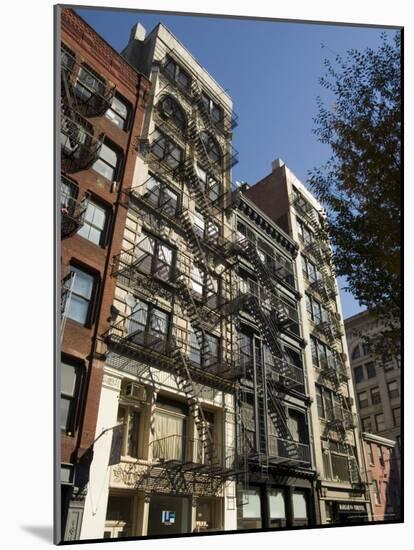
(196, 349)
(375, 395)
(89, 318)
(363, 403)
(382, 423)
(358, 379)
(104, 232)
(157, 245)
(177, 73)
(127, 120)
(115, 168)
(75, 398)
(363, 422)
(393, 393)
(176, 108)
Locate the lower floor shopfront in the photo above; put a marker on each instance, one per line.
(163, 514)
(278, 502)
(344, 505)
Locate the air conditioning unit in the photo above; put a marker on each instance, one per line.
(135, 391)
(325, 445)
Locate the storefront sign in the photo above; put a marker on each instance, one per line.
(167, 517)
(351, 507)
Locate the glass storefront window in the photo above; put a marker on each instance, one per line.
(300, 509)
(277, 509)
(250, 510)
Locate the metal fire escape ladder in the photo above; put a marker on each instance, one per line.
(186, 384)
(191, 308)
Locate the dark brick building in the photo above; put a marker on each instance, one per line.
(102, 104)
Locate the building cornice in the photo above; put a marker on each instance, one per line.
(267, 225)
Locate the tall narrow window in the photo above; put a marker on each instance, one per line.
(68, 388)
(81, 297)
(393, 389)
(107, 163)
(118, 112)
(94, 224)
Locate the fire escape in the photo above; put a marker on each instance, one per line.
(206, 465)
(83, 94)
(270, 382)
(333, 371)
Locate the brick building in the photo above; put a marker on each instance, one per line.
(102, 105)
(383, 477)
(205, 380)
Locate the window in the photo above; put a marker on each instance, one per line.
(300, 509)
(358, 374)
(155, 257)
(305, 234)
(319, 402)
(89, 84)
(67, 57)
(396, 415)
(177, 73)
(171, 110)
(68, 396)
(380, 455)
(118, 112)
(377, 496)
(95, 223)
(204, 229)
(393, 389)
(277, 510)
(204, 285)
(204, 348)
(366, 424)
(161, 196)
(211, 147)
(130, 417)
(250, 510)
(314, 350)
(107, 163)
(81, 298)
(363, 399)
(215, 111)
(166, 149)
(169, 430)
(365, 348)
(356, 353)
(370, 454)
(371, 372)
(379, 422)
(210, 186)
(297, 426)
(146, 319)
(375, 396)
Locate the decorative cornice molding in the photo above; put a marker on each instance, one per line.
(267, 227)
(103, 52)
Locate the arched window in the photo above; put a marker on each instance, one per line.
(171, 110)
(356, 353)
(211, 147)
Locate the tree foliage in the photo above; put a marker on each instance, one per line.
(360, 184)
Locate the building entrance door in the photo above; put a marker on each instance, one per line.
(169, 515)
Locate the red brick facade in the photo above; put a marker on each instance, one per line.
(80, 342)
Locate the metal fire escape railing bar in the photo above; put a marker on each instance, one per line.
(80, 149)
(72, 210)
(93, 94)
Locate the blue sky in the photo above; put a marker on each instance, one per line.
(271, 70)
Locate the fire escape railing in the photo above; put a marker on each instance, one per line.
(80, 149)
(93, 93)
